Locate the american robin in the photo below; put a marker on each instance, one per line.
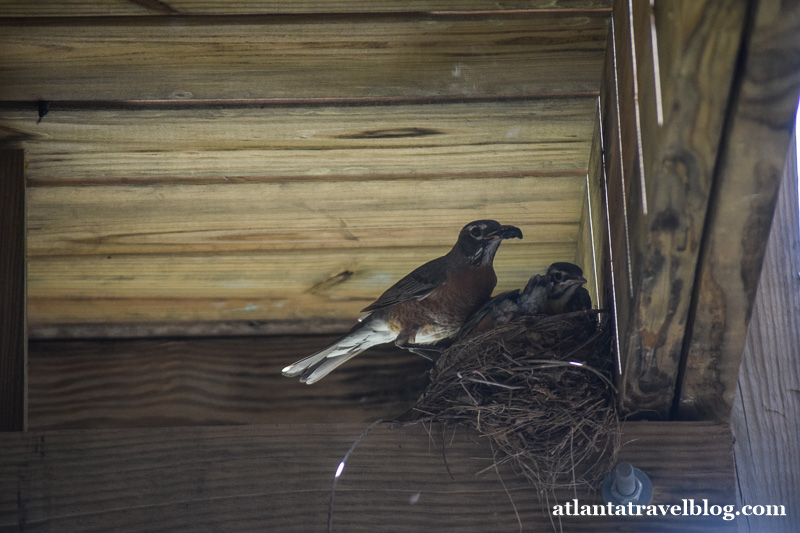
(426, 306)
(568, 293)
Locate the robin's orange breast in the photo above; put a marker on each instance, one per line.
(444, 310)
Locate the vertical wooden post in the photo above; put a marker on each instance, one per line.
(764, 418)
(13, 333)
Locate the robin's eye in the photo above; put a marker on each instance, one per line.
(558, 276)
(475, 232)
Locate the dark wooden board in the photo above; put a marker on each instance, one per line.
(277, 478)
(13, 333)
(157, 383)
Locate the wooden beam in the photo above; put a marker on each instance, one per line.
(314, 56)
(218, 381)
(72, 8)
(13, 333)
(276, 285)
(254, 478)
(700, 41)
(748, 177)
(214, 145)
(764, 417)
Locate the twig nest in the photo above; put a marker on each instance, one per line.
(539, 388)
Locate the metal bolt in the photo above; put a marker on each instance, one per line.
(626, 484)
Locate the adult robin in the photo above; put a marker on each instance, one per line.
(559, 291)
(426, 306)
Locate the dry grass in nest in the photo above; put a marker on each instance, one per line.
(539, 389)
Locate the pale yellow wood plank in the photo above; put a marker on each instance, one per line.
(141, 58)
(295, 215)
(444, 139)
(280, 285)
(71, 8)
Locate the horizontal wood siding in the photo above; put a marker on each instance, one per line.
(278, 477)
(157, 58)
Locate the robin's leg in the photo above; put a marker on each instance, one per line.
(428, 351)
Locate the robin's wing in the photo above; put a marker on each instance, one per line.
(580, 300)
(418, 284)
(484, 310)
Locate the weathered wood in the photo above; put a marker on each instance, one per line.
(159, 383)
(278, 478)
(13, 333)
(747, 182)
(71, 8)
(354, 56)
(80, 145)
(764, 417)
(592, 248)
(665, 242)
(277, 285)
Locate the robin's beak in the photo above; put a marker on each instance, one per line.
(578, 281)
(507, 232)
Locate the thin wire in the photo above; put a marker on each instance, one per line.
(341, 466)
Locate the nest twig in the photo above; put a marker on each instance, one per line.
(540, 389)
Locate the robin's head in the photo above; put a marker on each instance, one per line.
(566, 278)
(478, 240)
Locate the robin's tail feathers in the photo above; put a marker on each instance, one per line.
(316, 366)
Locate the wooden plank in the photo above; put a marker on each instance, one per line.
(278, 477)
(162, 383)
(764, 417)
(592, 248)
(278, 285)
(13, 332)
(748, 179)
(76, 145)
(273, 57)
(666, 241)
(294, 215)
(72, 8)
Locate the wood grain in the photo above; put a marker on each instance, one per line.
(71, 8)
(748, 179)
(278, 477)
(13, 332)
(665, 243)
(294, 215)
(270, 251)
(335, 142)
(278, 285)
(592, 248)
(353, 56)
(161, 383)
(764, 417)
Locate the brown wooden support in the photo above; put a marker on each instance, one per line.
(749, 172)
(13, 334)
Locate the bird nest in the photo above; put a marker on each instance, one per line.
(539, 388)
